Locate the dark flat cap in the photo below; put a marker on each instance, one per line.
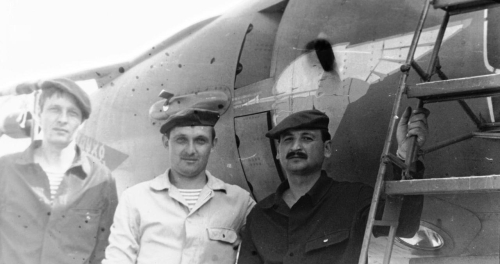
(190, 117)
(308, 119)
(69, 86)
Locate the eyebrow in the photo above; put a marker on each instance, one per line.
(308, 134)
(59, 106)
(196, 137)
(305, 133)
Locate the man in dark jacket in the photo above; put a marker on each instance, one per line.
(312, 218)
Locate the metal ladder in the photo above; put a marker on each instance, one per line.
(431, 92)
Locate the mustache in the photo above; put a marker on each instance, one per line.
(188, 157)
(296, 154)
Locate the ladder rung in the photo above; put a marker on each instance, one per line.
(488, 135)
(453, 89)
(451, 185)
(463, 6)
(494, 127)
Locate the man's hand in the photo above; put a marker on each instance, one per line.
(414, 126)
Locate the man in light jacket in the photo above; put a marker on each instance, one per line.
(185, 215)
(56, 202)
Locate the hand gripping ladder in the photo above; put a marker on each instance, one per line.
(431, 92)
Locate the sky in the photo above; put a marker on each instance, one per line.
(45, 38)
(50, 37)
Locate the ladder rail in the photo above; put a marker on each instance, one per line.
(462, 103)
(419, 70)
(413, 149)
(470, 113)
(392, 125)
(390, 245)
(485, 89)
(437, 46)
(447, 142)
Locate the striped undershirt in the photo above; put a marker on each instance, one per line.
(55, 179)
(191, 196)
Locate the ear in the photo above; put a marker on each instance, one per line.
(327, 148)
(164, 138)
(277, 152)
(214, 143)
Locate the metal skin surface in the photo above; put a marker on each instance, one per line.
(257, 53)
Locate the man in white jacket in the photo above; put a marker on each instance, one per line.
(184, 215)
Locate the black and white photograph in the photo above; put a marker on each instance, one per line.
(250, 132)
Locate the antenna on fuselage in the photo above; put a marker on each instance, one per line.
(324, 53)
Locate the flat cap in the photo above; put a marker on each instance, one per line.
(308, 119)
(69, 86)
(190, 117)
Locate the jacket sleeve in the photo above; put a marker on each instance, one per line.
(124, 238)
(249, 206)
(411, 209)
(248, 252)
(105, 222)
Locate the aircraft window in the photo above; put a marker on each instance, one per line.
(257, 154)
(426, 238)
(254, 63)
(493, 37)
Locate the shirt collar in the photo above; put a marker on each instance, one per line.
(80, 166)
(215, 183)
(162, 182)
(28, 156)
(319, 189)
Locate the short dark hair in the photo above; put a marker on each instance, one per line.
(325, 135)
(48, 93)
(167, 134)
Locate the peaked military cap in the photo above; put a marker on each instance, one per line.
(69, 86)
(308, 119)
(190, 117)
